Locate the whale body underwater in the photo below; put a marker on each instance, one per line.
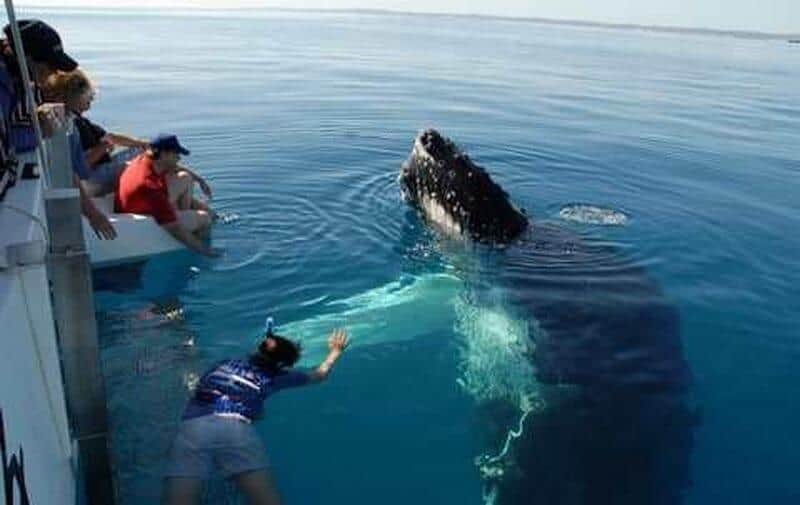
(618, 426)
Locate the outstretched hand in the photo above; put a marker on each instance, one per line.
(337, 343)
(338, 340)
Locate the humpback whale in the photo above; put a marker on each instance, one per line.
(617, 427)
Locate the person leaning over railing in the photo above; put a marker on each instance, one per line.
(106, 164)
(216, 434)
(76, 92)
(45, 55)
(8, 161)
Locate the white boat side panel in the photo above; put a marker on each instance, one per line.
(138, 237)
(39, 314)
(32, 402)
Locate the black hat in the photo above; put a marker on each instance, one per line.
(42, 43)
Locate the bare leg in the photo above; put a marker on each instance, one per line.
(259, 488)
(200, 205)
(180, 186)
(196, 221)
(182, 491)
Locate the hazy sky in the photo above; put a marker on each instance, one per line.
(761, 15)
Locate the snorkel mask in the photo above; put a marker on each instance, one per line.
(285, 353)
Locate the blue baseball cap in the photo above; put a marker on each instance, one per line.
(167, 142)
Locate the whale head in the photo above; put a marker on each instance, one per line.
(457, 195)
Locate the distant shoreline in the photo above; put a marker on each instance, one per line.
(793, 38)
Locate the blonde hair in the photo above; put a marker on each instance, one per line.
(66, 87)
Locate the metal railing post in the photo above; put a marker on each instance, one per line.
(26, 84)
(57, 152)
(70, 274)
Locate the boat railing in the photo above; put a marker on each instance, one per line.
(70, 274)
(70, 278)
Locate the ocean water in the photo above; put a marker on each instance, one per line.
(679, 150)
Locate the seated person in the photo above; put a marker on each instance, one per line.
(77, 91)
(151, 184)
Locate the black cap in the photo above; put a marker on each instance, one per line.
(42, 44)
(168, 142)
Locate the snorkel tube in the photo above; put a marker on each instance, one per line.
(276, 350)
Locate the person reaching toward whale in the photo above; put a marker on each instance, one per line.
(217, 431)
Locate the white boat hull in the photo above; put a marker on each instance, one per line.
(138, 237)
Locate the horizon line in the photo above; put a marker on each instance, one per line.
(693, 30)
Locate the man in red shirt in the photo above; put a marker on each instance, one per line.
(144, 188)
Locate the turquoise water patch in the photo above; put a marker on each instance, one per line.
(398, 311)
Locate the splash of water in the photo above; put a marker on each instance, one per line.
(495, 354)
(227, 218)
(592, 214)
(496, 365)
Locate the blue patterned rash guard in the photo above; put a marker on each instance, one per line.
(237, 388)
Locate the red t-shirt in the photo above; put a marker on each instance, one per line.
(142, 191)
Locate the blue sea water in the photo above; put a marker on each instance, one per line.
(301, 121)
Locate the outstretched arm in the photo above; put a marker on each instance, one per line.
(204, 187)
(97, 220)
(125, 140)
(106, 146)
(337, 343)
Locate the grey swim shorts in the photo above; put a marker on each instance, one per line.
(204, 443)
